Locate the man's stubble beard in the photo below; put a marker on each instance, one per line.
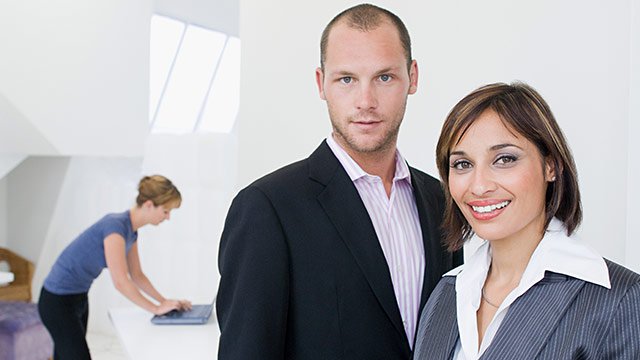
(387, 141)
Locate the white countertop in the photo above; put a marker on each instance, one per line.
(6, 277)
(143, 340)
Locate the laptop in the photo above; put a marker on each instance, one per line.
(199, 314)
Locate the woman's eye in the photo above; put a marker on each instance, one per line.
(506, 159)
(461, 165)
(346, 80)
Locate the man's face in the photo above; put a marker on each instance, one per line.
(365, 83)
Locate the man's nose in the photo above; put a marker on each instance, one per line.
(367, 97)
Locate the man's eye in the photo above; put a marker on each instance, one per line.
(385, 77)
(346, 80)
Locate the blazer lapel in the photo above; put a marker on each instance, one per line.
(533, 317)
(342, 204)
(441, 318)
(430, 224)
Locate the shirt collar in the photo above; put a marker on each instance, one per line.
(354, 170)
(567, 255)
(557, 252)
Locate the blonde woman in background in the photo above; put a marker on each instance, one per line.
(111, 242)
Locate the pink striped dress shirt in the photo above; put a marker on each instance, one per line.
(396, 222)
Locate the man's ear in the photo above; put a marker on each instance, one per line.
(413, 77)
(320, 83)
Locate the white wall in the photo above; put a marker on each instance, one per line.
(3, 212)
(18, 135)
(75, 66)
(576, 53)
(34, 189)
(633, 158)
(8, 162)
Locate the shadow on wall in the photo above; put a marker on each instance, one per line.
(33, 191)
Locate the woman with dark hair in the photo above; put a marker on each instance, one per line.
(532, 290)
(111, 242)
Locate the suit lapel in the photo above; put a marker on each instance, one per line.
(533, 317)
(429, 223)
(342, 204)
(442, 319)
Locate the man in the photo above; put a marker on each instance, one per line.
(333, 257)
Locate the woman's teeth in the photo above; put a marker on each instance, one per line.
(489, 208)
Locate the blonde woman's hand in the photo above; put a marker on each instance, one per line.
(166, 306)
(184, 305)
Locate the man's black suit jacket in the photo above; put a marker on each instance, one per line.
(303, 275)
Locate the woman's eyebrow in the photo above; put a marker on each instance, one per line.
(492, 148)
(502, 146)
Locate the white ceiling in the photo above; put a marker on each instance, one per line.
(85, 82)
(220, 15)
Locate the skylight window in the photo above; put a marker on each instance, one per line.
(166, 35)
(195, 78)
(223, 101)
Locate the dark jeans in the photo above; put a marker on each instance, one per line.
(65, 316)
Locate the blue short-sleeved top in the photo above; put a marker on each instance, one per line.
(83, 260)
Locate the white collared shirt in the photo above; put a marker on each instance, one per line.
(397, 225)
(556, 252)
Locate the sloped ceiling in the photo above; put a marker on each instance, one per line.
(74, 75)
(18, 135)
(220, 15)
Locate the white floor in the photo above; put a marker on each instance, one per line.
(105, 347)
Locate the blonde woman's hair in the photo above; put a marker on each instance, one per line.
(159, 190)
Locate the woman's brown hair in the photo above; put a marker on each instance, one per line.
(525, 112)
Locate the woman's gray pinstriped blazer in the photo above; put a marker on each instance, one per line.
(558, 318)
